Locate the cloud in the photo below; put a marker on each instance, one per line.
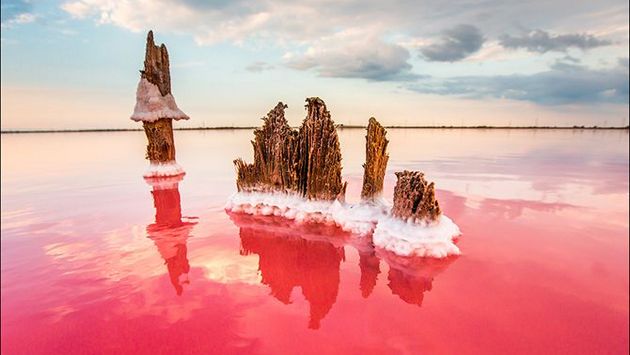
(259, 66)
(211, 22)
(373, 39)
(456, 44)
(563, 83)
(355, 54)
(541, 41)
(16, 12)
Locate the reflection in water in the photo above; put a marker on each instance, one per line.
(309, 256)
(287, 260)
(169, 232)
(370, 268)
(410, 278)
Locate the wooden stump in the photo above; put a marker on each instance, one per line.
(156, 65)
(319, 164)
(306, 162)
(376, 158)
(414, 198)
(274, 167)
(161, 147)
(156, 108)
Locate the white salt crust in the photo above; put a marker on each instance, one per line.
(413, 239)
(400, 237)
(359, 219)
(164, 182)
(164, 169)
(151, 105)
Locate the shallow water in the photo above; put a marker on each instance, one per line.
(94, 261)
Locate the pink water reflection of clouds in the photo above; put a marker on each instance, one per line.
(86, 248)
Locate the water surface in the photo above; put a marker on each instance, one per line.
(94, 260)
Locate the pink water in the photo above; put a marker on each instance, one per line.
(93, 261)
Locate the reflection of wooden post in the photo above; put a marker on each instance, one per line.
(414, 198)
(375, 160)
(369, 264)
(166, 200)
(169, 232)
(410, 277)
(410, 288)
(156, 108)
(286, 259)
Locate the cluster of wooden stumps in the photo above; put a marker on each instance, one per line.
(307, 162)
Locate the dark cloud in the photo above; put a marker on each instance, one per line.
(456, 44)
(542, 41)
(563, 83)
(258, 67)
(11, 9)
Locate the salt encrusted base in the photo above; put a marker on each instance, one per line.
(359, 219)
(417, 239)
(163, 170)
(400, 237)
(164, 182)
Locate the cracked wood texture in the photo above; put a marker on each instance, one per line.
(156, 66)
(319, 163)
(414, 198)
(376, 158)
(306, 162)
(274, 167)
(161, 147)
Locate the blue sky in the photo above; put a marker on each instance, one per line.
(74, 64)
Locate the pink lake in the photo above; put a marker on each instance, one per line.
(95, 262)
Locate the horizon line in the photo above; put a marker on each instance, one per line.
(339, 126)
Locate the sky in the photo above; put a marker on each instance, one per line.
(74, 64)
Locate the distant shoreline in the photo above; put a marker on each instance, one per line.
(340, 126)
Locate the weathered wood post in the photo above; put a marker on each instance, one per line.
(319, 163)
(305, 162)
(414, 198)
(156, 108)
(376, 158)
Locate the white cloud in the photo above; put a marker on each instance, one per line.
(259, 66)
(24, 18)
(354, 54)
(305, 21)
(16, 12)
(374, 39)
(77, 9)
